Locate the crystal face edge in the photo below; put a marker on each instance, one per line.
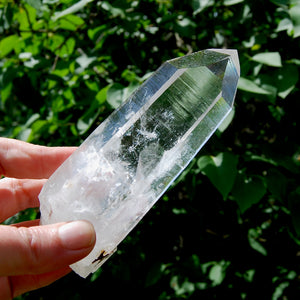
(148, 126)
(234, 56)
(205, 57)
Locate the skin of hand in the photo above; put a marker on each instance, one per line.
(33, 256)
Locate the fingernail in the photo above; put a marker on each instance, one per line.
(77, 235)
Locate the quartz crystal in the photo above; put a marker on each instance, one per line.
(129, 161)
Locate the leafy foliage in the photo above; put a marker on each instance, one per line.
(230, 225)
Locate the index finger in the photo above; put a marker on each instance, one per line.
(23, 160)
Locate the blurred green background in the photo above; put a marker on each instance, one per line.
(230, 225)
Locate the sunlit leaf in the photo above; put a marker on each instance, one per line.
(5, 93)
(67, 48)
(295, 16)
(232, 2)
(70, 22)
(72, 9)
(84, 61)
(279, 291)
(102, 94)
(7, 44)
(200, 5)
(26, 18)
(253, 238)
(182, 287)
(114, 11)
(217, 273)
(285, 24)
(85, 122)
(117, 93)
(250, 86)
(268, 58)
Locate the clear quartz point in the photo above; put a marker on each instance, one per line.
(129, 161)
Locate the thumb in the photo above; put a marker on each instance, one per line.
(41, 249)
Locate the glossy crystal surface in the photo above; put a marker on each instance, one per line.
(129, 161)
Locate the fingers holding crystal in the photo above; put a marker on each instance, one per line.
(42, 249)
(42, 253)
(24, 283)
(18, 194)
(23, 160)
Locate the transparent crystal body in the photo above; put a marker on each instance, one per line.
(129, 161)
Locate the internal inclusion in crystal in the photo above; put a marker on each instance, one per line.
(126, 164)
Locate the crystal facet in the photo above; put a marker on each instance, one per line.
(129, 161)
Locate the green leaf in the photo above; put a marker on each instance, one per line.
(182, 288)
(7, 45)
(286, 80)
(57, 104)
(253, 236)
(249, 274)
(84, 61)
(25, 130)
(285, 24)
(217, 273)
(185, 27)
(279, 291)
(114, 11)
(86, 121)
(94, 33)
(37, 129)
(89, 117)
(56, 42)
(232, 2)
(248, 191)
(37, 4)
(200, 5)
(67, 48)
(268, 58)
(70, 22)
(250, 86)
(117, 93)
(294, 206)
(96, 275)
(280, 2)
(102, 94)
(5, 93)
(226, 122)
(154, 274)
(27, 18)
(295, 16)
(221, 171)
(24, 215)
(276, 183)
(71, 10)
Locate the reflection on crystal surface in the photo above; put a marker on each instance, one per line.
(126, 164)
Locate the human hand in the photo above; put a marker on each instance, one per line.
(33, 256)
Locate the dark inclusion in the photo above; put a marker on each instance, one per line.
(102, 255)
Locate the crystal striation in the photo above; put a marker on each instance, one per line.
(129, 161)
